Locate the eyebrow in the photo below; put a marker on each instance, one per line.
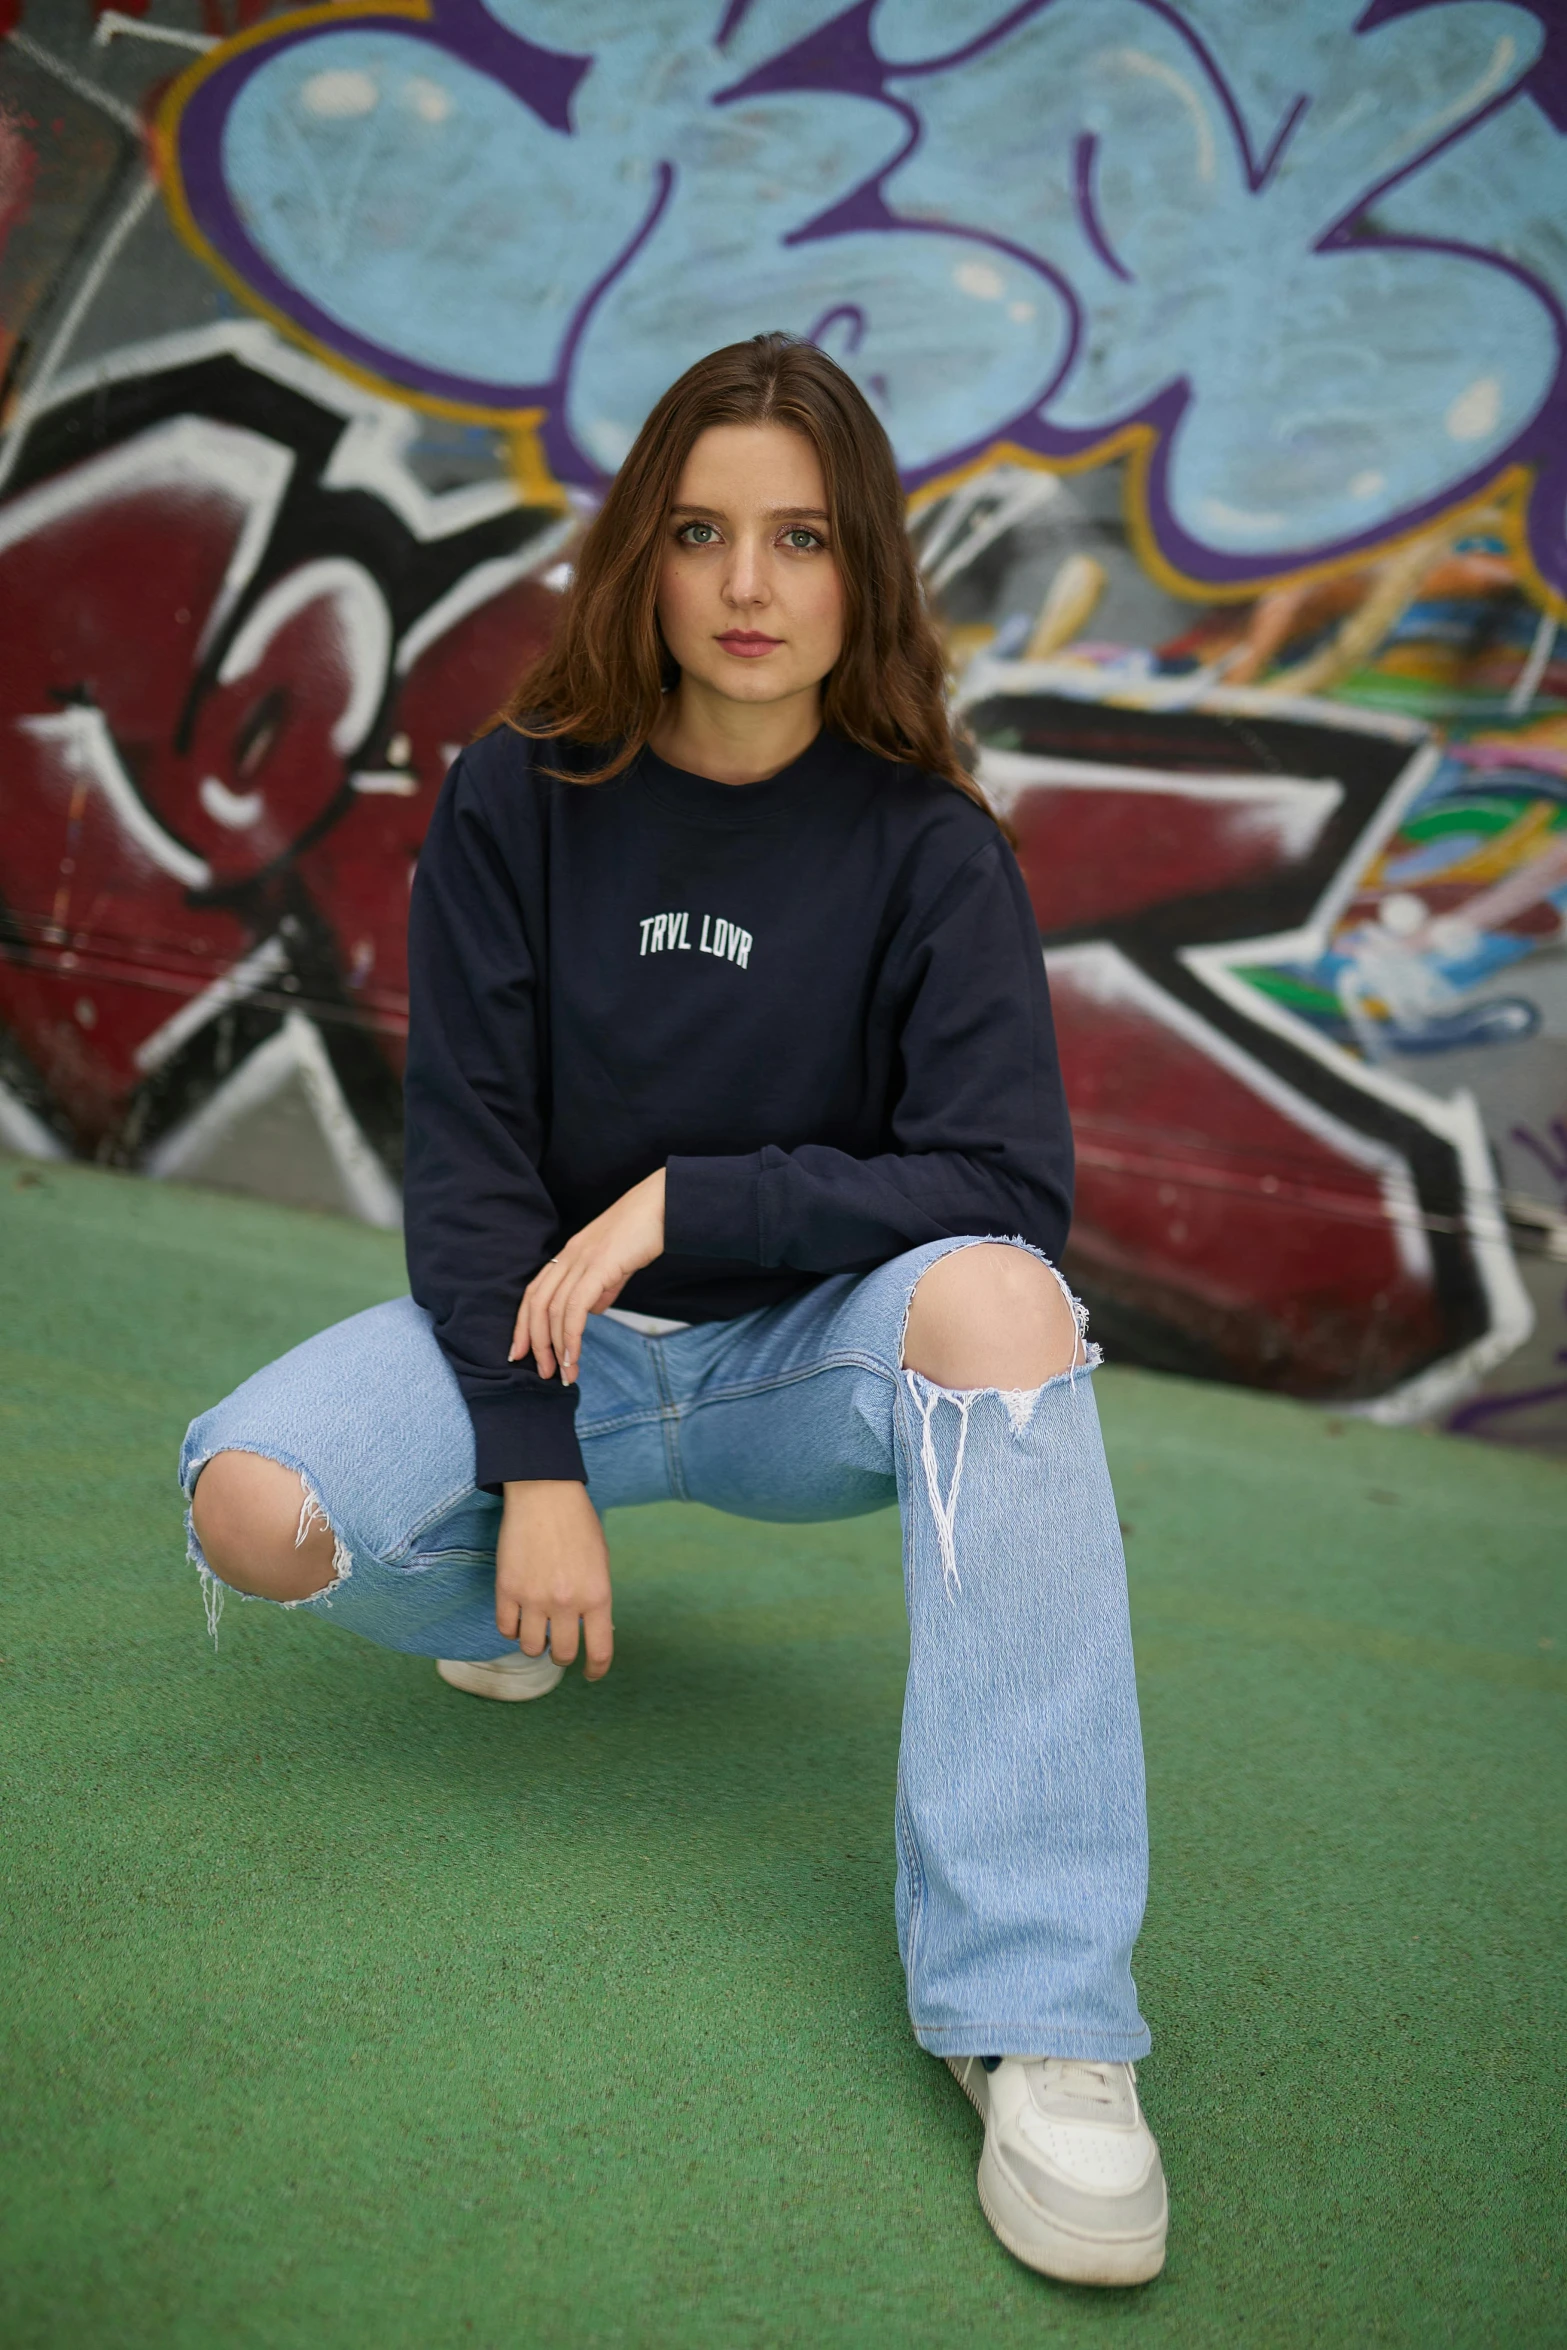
(774, 513)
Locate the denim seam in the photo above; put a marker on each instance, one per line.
(856, 1358)
(1135, 2042)
(904, 1824)
(916, 1869)
(613, 1424)
(432, 1517)
(839, 1359)
(844, 1359)
(669, 1421)
(426, 1561)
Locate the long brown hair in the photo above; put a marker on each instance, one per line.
(602, 680)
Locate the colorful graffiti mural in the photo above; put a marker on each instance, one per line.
(1223, 354)
(1306, 945)
(529, 205)
(245, 644)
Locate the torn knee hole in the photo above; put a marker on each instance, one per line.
(981, 1318)
(245, 1534)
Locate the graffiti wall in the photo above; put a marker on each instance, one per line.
(1221, 346)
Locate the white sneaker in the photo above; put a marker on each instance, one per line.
(513, 1676)
(1070, 2178)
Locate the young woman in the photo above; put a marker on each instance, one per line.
(738, 1165)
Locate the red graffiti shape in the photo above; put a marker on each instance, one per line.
(184, 751)
(1212, 1199)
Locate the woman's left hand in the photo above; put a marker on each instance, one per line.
(588, 1275)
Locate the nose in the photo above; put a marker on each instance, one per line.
(745, 582)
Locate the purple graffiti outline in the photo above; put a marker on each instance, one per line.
(1546, 80)
(1538, 442)
(560, 450)
(1084, 157)
(1471, 1416)
(469, 32)
(734, 17)
(848, 311)
(840, 56)
(1556, 1140)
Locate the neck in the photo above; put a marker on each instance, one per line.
(734, 742)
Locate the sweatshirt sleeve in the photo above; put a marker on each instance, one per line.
(478, 1220)
(983, 1140)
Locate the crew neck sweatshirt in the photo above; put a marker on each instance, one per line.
(818, 1002)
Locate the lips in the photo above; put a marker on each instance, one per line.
(748, 643)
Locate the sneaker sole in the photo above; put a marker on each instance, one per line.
(480, 1680)
(1047, 2247)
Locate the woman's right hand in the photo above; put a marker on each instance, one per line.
(552, 1574)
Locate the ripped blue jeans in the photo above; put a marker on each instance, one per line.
(1020, 1828)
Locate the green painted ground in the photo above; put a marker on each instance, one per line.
(340, 2009)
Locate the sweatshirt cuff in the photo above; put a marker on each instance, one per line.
(712, 1208)
(530, 1435)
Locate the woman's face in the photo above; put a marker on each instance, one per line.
(749, 596)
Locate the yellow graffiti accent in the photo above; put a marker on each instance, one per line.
(1519, 845)
(1504, 497)
(1357, 638)
(527, 464)
(1068, 606)
(1549, 733)
(964, 642)
(1526, 838)
(1433, 665)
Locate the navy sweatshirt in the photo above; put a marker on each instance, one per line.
(819, 1002)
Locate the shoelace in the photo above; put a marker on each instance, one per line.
(1077, 2077)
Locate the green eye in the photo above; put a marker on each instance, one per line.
(689, 527)
(802, 540)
